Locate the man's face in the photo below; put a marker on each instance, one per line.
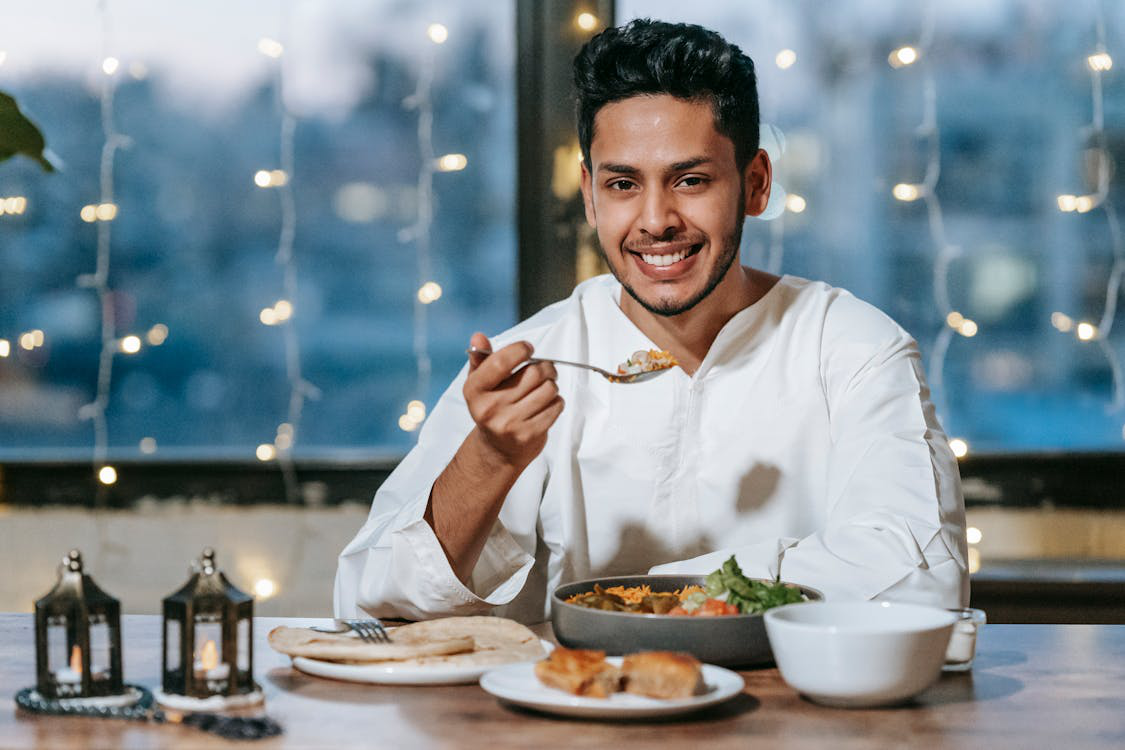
(668, 200)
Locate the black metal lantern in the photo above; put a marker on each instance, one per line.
(208, 636)
(77, 637)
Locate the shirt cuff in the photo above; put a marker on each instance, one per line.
(499, 574)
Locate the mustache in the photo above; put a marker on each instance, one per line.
(685, 238)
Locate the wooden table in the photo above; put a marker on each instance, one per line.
(1033, 686)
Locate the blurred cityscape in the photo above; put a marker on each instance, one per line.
(193, 250)
(193, 245)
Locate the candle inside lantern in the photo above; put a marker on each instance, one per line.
(207, 666)
(71, 675)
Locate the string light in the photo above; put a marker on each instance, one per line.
(437, 33)
(785, 59)
(586, 21)
(795, 203)
(31, 340)
(906, 192)
(959, 447)
(147, 445)
(1062, 322)
(107, 475)
(5, 348)
(430, 292)
(269, 178)
(13, 205)
(131, 344)
(270, 47)
(103, 213)
(973, 535)
(1098, 63)
(98, 212)
(452, 163)
(157, 335)
(904, 56)
(926, 190)
(300, 389)
(110, 65)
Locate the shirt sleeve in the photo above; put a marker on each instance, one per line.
(395, 566)
(894, 527)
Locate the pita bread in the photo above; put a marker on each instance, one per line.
(451, 641)
(497, 641)
(348, 648)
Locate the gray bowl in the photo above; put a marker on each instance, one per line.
(729, 641)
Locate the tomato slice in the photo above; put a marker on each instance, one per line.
(716, 608)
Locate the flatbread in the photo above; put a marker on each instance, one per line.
(450, 641)
(347, 648)
(497, 641)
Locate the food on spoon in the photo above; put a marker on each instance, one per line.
(646, 361)
(579, 672)
(662, 674)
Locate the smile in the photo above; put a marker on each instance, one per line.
(667, 259)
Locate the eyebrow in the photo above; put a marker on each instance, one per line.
(679, 166)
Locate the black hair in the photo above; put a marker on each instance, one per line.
(647, 57)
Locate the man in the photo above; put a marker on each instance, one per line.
(796, 432)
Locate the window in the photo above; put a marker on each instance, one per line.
(1024, 357)
(399, 121)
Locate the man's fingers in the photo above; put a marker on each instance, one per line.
(536, 400)
(481, 342)
(547, 416)
(498, 366)
(520, 384)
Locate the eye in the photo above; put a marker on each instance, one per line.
(692, 181)
(621, 185)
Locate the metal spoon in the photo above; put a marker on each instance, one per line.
(612, 377)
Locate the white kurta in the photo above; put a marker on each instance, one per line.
(805, 438)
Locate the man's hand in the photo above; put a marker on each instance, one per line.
(512, 410)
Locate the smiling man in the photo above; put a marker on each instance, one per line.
(796, 432)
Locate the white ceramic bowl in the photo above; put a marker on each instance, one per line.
(859, 654)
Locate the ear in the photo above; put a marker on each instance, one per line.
(756, 179)
(588, 196)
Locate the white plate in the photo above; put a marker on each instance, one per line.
(517, 683)
(397, 674)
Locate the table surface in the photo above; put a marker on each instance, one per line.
(1033, 686)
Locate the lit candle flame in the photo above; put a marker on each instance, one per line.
(209, 657)
(76, 659)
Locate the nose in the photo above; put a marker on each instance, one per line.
(660, 216)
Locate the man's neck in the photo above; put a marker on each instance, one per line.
(689, 335)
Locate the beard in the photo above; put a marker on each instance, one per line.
(728, 251)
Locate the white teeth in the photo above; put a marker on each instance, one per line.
(664, 260)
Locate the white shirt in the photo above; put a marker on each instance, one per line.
(806, 437)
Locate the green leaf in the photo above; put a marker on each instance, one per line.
(751, 597)
(19, 135)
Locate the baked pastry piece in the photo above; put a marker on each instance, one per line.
(662, 674)
(581, 672)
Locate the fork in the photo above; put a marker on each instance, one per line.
(369, 631)
(612, 377)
